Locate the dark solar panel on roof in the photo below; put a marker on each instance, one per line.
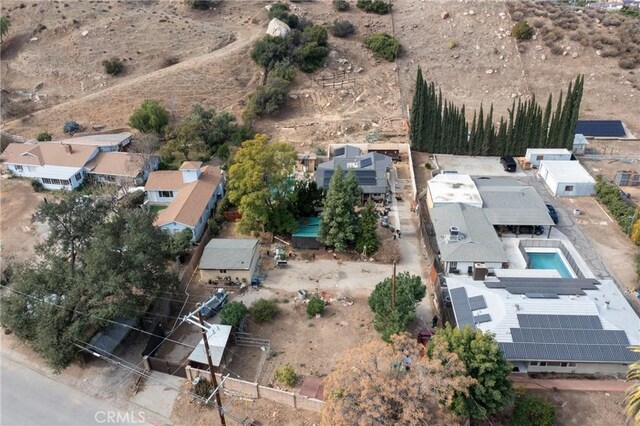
(477, 302)
(602, 128)
(338, 152)
(366, 162)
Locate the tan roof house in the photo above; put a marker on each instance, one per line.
(190, 195)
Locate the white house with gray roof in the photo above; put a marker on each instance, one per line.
(237, 258)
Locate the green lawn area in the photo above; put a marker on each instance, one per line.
(156, 209)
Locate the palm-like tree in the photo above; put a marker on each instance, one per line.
(633, 393)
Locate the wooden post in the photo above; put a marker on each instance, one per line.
(214, 381)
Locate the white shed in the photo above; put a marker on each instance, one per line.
(579, 144)
(567, 178)
(536, 155)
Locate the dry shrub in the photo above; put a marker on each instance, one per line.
(517, 16)
(541, 13)
(555, 49)
(553, 36)
(611, 21)
(169, 61)
(567, 24)
(610, 52)
(538, 23)
(628, 63)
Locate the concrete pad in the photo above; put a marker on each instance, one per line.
(475, 166)
(158, 393)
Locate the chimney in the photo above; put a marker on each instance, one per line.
(480, 271)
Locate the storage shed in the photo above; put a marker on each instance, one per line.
(579, 144)
(306, 237)
(536, 155)
(567, 178)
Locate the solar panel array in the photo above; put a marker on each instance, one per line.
(603, 128)
(478, 319)
(338, 152)
(366, 162)
(566, 338)
(461, 307)
(477, 302)
(541, 287)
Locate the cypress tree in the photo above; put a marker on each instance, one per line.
(489, 134)
(417, 114)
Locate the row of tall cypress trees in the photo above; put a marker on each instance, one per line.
(440, 127)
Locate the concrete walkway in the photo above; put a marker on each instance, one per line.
(522, 380)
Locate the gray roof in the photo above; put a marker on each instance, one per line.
(218, 336)
(223, 253)
(346, 151)
(479, 242)
(370, 170)
(507, 202)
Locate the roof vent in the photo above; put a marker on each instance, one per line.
(606, 304)
(517, 307)
(454, 231)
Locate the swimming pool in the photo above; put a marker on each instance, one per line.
(538, 260)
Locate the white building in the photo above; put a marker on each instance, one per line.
(536, 155)
(579, 144)
(104, 142)
(190, 195)
(567, 178)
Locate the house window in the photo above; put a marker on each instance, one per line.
(563, 364)
(539, 157)
(166, 194)
(553, 364)
(568, 188)
(18, 168)
(543, 364)
(453, 267)
(572, 364)
(78, 177)
(48, 181)
(533, 363)
(223, 271)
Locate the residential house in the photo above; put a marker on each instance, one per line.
(190, 194)
(62, 166)
(237, 258)
(374, 172)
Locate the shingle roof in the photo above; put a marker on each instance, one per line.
(164, 180)
(192, 199)
(228, 253)
(479, 241)
(115, 164)
(191, 165)
(46, 153)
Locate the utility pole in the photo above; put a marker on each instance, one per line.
(393, 287)
(214, 381)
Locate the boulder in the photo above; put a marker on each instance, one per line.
(277, 28)
(444, 15)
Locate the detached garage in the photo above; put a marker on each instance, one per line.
(536, 155)
(567, 178)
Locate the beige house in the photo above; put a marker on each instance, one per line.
(236, 258)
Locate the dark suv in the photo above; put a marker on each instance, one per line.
(509, 163)
(553, 213)
(528, 229)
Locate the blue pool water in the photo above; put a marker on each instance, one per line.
(549, 261)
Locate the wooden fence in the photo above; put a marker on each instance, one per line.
(164, 366)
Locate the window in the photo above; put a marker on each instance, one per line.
(18, 168)
(568, 188)
(61, 182)
(78, 177)
(543, 364)
(533, 363)
(572, 364)
(553, 364)
(539, 157)
(223, 271)
(166, 194)
(563, 364)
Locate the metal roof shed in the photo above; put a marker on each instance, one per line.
(567, 178)
(307, 234)
(218, 336)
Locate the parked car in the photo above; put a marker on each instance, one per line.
(508, 163)
(384, 222)
(553, 213)
(528, 229)
(214, 303)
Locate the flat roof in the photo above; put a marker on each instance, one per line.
(567, 171)
(308, 227)
(601, 128)
(218, 336)
(111, 139)
(454, 188)
(228, 253)
(556, 327)
(548, 151)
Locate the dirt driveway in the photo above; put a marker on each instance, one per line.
(606, 238)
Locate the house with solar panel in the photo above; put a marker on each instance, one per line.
(374, 171)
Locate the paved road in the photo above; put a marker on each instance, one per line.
(29, 398)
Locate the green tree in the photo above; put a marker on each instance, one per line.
(310, 56)
(532, 410)
(120, 268)
(316, 306)
(202, 4)
(367, 239)
(632, 399)
(268, 51)
(338, 220)
(307, 198)
(4, 26)
(485, 362)
(151, 116)
(380, 7)
(342, 28)
(268, 99)
(263, 310)
(44, 136)
(383, 45)
(113, 66)
(233, 313)
(179, 243)
(261, 185)
(522, 31)
(392, 319)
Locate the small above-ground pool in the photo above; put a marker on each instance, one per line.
(549, 260)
